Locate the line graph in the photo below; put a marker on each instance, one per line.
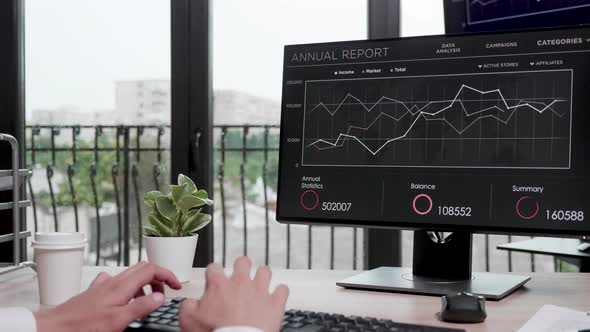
(470, 127)
(484, 11)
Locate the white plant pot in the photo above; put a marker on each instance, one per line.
(173, 253)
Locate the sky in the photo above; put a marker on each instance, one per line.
(75, 50)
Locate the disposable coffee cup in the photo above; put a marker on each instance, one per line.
(59, 258)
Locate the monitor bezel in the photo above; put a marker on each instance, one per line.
(404, 225)
(452, 23)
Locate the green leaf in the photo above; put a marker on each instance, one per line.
(189, 223)
(203, 221)
(150, 198)
(162, 229)
(195, 223)
(188, 217)
(177, 192)
(183, 179)
(189, 202)
(202, 194)
(169, 223)
(150, 231)
(166, 207)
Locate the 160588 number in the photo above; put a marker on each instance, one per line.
(336, 206)
(562, 215)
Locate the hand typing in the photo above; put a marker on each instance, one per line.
(110, 303)
(237, 300)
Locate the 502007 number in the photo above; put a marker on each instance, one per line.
(336, 206)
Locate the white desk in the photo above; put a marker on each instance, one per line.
(316, 290)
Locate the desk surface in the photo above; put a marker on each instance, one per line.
(548, 246)
(316, 290)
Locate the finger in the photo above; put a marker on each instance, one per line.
(131, 270)
(140, 292)
(189, 306)
(188, 312)
(214, 275)
(145, 275)
(280, 295)
(138, 308)
(262, 277)
(100, 279)
(242, 268)
(157, 287)
(189, 316)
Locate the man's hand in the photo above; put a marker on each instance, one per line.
(107, 304)
(235, 301)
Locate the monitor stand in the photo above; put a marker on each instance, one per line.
(441, 265)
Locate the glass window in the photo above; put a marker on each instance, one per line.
(420, 18)
(248, 41)
(92, 66)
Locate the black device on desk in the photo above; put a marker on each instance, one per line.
(481, 133)
(463, 308)
(165, 319)
(584, 246)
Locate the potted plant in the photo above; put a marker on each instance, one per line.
(173, 220)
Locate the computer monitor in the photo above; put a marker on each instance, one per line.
(497, 15)
(479, 133)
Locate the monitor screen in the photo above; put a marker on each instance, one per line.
(486, 133)
(496, 15)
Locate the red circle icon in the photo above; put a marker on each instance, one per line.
(309, 200)
(422, 212)
(527, 215)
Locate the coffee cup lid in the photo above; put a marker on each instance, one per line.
(59, 240)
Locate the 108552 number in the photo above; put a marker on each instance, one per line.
(456, 211)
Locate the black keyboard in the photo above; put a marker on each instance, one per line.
(304, 321)
(165, 318)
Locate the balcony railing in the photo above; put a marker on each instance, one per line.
(92, 179)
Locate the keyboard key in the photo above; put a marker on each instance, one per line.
(295, 325)
(163, 328)
(135, 325)
(305, 328)
(163, 321)
(156, 314)
(312, 321)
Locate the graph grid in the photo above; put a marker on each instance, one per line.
(484, 11)
(494, 120)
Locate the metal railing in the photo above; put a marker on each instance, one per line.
(101, 164)
(252, 150)
(89, 168)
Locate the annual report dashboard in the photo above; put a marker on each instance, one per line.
(486, 132)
